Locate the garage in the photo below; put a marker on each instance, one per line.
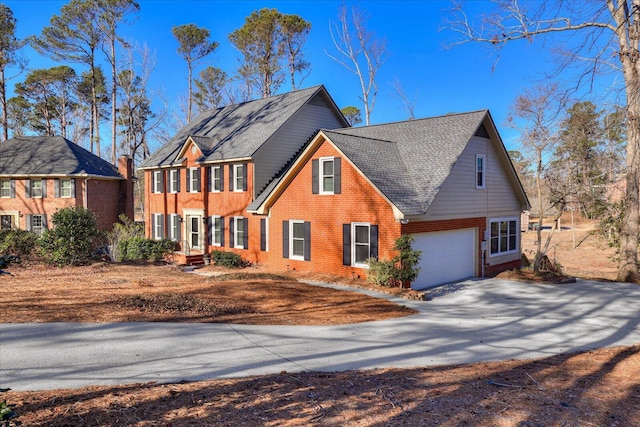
(447, 256)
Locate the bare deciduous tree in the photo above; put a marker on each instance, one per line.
(360, 52)
(610, 37)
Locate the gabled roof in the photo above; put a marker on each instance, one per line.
(408, 162)
(235, 131)
(51, 155)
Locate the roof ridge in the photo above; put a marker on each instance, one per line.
(358, 136)
(420, 119)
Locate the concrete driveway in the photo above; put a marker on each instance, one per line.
(479, 320)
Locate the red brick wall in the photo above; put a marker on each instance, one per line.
(103, 199)
(358, 202)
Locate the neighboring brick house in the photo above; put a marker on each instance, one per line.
(199, 184)
(351, 193)
(41, 174)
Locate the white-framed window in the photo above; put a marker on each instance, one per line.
(194, 180)
(239, 232)
(36, 188)
(216, 178)
(327, 175)
(6, 188)
(296, 239)
(158, 226)
(217, 230)
(360, 243)
(38, 224)
(65, 188)
(480, 171)
(504, 236)
(157, 181)
(238, 177)
(174, 227)
(6, 222)
(174, 180)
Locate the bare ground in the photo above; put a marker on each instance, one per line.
(595, 388)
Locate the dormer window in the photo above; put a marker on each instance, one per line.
(480, 171)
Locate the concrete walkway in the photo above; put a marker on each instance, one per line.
(471, 321)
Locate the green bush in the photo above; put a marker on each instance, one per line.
(20, 243)
(73, 238)
(228, 259)
(141, 249)
(400, 270)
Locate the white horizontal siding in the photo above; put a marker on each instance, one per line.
(459, 198)
(274, 154)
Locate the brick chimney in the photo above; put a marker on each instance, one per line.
(126, 202)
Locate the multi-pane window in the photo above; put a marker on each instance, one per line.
(174, 180)
(37, 224)
(157, 182)
(361, 244)
(504, 238)
(216, 231)
(6, 222)
(239, 232)
(216, 178)
(65, 188)
(238, 177)
(36, 188)
(327, 176)
(5, 188)
(158, 226)
(297, 239)
(194, 180)
(174, 227)
(480, 171)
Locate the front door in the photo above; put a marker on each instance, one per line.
(194, 231)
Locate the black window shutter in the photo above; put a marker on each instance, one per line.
(285, 239)
(337, 188)
(27, 189)
(178, 182)
(178, 228)
(263, 234)
(188, 183)
(315, 166)
(162, 181)
(44, 222)
(245, 166)
(221, 231)
(245, 242)
(56, 188)
(346, 244)
(231, 228)
(44, 188)
(73, 187)
(373, 241)
(12, 184)
(221, 177)
(162, 229)
(210, 224)
(208, 171)
(198, 185)
(28, 222)
(230, 177)
(307, 241)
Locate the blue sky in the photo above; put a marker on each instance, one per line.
(436, 79)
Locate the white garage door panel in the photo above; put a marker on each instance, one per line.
(446, 256)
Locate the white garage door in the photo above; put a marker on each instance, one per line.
(447, 256)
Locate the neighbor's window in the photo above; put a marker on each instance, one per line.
(174, 227)
(157, 181)
(174, 180)
(326, 176)
(504, 234)
(238, 177)
(216, 178)
(361, 244)
(5, 188)
(158, 226)
(36, 188)
(216, 238)
(37, 224)
(194, 180)
(65, 188)
(239, 232)
(480, 171)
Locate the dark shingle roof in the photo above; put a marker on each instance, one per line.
(409, 161)
(235, 131)
(51, 155)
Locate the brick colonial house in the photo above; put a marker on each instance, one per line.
(262, 180)
(41, 174)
